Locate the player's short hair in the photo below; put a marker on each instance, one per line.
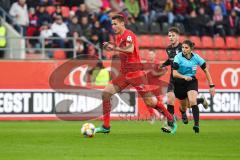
(118, 17)
(189, 43)
(174, 29)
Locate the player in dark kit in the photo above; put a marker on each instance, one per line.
(126, 46)
(172, 50)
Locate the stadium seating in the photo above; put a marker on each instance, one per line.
(207, 42)
(181, 38)
(209, 48)
(196, 40)
(144, 54)
(205, 46)
(161, 55)
(235, 55)
(159, 41)
(142, 28)
(74, 9)
(219, 43)
(231, 43)
(200, 53)
(238, 42)
(51, 9)
(65, 11)
(210, 55)
(59, 54)
(222, 55)
(155, 28)
(165, 27)
(145, 41)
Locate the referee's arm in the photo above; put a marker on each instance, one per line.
(206, 71)
(209, 78)
(203, 65)
(176, 74)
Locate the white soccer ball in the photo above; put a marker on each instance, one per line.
(88, 130)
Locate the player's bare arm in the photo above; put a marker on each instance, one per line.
(109, 46)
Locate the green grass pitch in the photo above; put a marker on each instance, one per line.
(128, 140)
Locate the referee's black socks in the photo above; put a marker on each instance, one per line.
(195, 111)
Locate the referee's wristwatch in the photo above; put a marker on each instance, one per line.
(211, 85)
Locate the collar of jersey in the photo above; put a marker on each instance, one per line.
(186, 57)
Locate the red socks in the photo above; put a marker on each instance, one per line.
(160, 107)
(106, 113)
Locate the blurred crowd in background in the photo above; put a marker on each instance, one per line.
(91, 19)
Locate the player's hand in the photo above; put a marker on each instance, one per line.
(108, 46)
(186, 78)
(212, 91)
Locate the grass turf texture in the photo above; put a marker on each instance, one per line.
(139, 140)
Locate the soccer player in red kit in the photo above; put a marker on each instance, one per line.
(126, 46)
(153, 77)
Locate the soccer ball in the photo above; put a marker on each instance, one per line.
(88, 130)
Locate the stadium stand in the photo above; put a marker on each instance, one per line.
(51, 9)
(222, 44)
(219, 43)
(210, 55)
(231, 42)
(197, 41)
(207, 42)
(235, 55)
(159, 41)
(59, 54)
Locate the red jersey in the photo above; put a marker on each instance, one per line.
(127, 59)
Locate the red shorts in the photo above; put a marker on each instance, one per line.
(138, 80)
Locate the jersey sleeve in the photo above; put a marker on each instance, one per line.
(130, 38)
(176, 62)
(166, 63)
(201, 62)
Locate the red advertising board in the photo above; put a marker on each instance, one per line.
(26, 92)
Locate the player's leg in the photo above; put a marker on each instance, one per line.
(152, 115)
(181, 93)
(117, 85)
(170, 97)
(183, 108)
(170, 101)
(152, 101)
(108, 91)
(202, 100)
(140, 82)
(192, 97)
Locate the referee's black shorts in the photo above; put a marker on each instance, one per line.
(181, 87)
